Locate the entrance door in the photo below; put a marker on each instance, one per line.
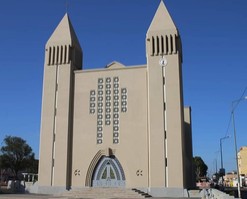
(108, 173)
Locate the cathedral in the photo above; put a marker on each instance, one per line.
(119, 126)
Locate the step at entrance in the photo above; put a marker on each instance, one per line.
(104, 193)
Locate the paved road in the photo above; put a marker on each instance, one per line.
(40, 196)
(20, 196)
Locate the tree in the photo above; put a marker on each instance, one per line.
(200, 167)
(16, 155)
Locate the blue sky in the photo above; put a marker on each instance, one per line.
(214, 38)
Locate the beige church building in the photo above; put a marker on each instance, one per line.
(119, 126)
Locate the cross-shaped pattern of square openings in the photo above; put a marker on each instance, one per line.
(110, 102)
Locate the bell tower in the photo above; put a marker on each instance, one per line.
(63, 55)
(164, 58)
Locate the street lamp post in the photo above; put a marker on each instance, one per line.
(235, 139)
(216, 169)
(221, 156)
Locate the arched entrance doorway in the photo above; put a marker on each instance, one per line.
(108, 173)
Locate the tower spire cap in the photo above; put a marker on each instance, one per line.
(162, 19)
(64, 34)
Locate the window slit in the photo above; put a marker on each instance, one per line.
(167, 45)
(65, 54)
(171, 40)
(61, 55)
(69, 53)
(158, 45)
(153, 46)
(53, 55)
(177, 43)
(57, 56)
(162, 45)
(49, 56)
(174, 44)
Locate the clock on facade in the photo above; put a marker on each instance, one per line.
(163, 61)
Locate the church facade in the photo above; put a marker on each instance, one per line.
(117, 126)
